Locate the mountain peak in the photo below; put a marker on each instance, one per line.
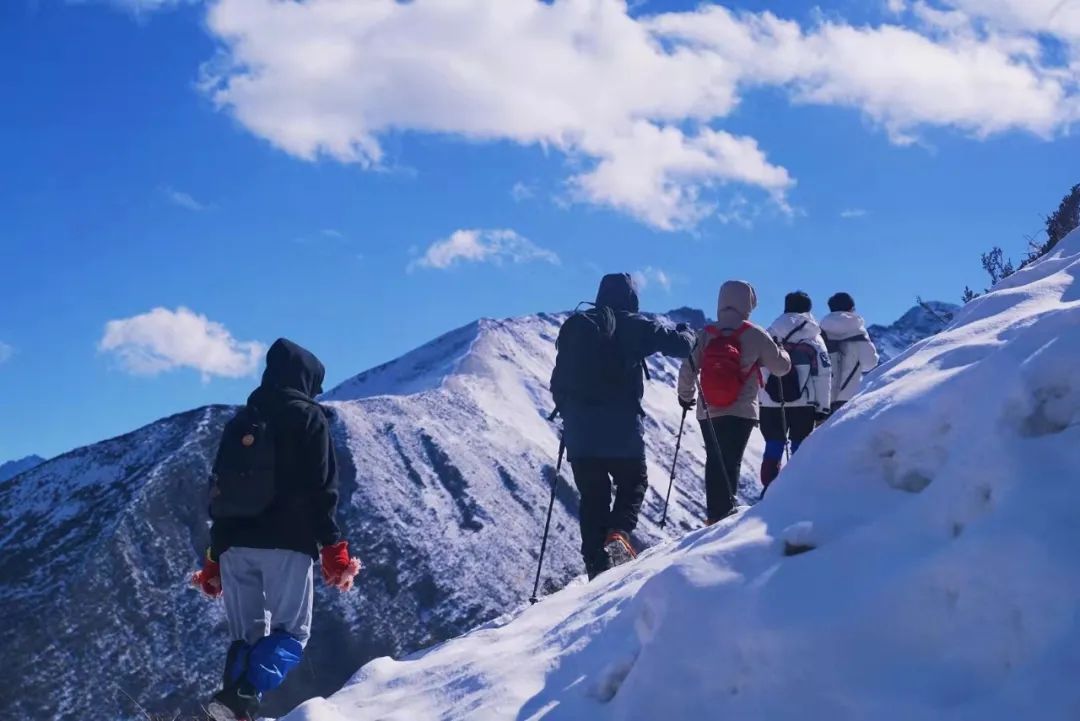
(922, 320)
(20, 465)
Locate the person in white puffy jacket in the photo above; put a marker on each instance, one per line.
(793, 416)
(851, 351)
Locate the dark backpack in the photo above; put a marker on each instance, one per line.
(722, 377)
(590, 363)
(243, 483)
(787, 388)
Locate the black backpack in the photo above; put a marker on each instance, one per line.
(243, 483)
(786, 388)
(590, 363)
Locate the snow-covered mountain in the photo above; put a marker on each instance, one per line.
(446, 460)
(20, 465)
(922, 321)
(917, 560)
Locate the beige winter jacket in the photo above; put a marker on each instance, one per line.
(737, 301)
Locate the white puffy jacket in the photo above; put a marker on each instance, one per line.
(817, 389)
(851, 351)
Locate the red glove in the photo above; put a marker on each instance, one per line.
(208, 580)
(338, 569)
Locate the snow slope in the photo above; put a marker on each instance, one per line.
(21, 465)
(445, 458)
(944, 513)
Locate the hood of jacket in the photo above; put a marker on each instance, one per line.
(292, 367)
(785, 326)
(737, 298)
(841, 325)
(617, 291)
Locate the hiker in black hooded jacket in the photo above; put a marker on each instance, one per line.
(605, 440)
(302, 516)
(262, 564)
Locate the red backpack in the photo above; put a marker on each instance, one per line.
(722, 377)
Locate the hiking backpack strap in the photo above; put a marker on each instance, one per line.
(858, 364)
(851, 375)
(794, 331)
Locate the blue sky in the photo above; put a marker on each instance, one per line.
(362, 184)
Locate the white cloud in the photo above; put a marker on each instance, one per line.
(1053, 17)
(163, 340)
(482, 246)
(854, 213)
(652, 276)
(521, 192)
(332, 233)
(633, 102)
(6, 352)
(140, 8)
(182, 199)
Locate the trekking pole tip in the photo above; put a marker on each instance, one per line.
(533, 600)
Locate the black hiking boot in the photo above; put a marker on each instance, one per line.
(238, 702)
(597, 564)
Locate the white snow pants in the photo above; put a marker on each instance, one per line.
(267, 590)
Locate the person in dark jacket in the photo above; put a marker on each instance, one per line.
(603, 425)
(262, 564)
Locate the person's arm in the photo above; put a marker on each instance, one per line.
(772, 357)
(868, 356)
(823, 380)
(656, 337)
(217, 543)
(558, 381)
(687, 381)
(320, 471)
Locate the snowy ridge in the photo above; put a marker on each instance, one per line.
(20, 465)
(922, 321)
(423, 369)
(446, 458)
(941, 582)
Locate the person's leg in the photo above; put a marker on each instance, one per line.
(772, 428)
(631, 477)
(594, 485)
(717, 493)
(734, 433)
(245, 612)
(801, 422)
(287, 581)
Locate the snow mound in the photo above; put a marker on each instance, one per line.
(944, 516)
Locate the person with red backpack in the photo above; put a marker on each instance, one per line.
(725, 369)
(795, 402)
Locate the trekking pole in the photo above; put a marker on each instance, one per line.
(671, 481)
(784, 425)
(712, 433)
(547, 524)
